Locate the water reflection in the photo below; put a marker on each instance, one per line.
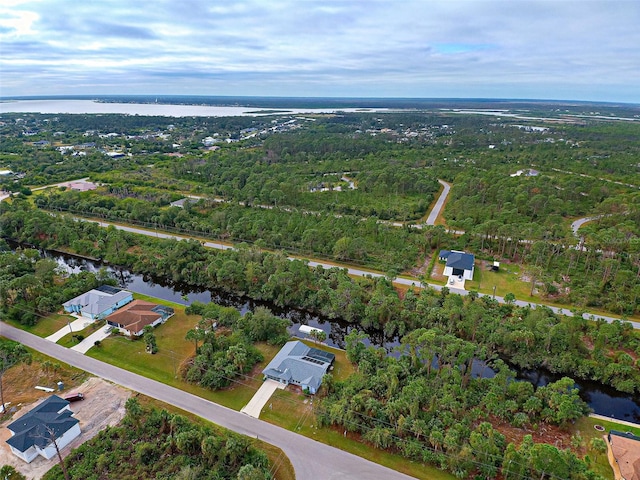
(602, 399)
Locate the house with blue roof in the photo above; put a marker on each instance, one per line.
(459, 264)
(33, 434)
(299, 364)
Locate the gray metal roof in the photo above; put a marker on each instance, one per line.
(96, 301)
(300, 363)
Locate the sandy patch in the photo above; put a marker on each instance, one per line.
(103, 405)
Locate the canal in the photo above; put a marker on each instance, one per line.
(602, 399)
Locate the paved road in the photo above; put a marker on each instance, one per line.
(363, 273)
(435, 211)
(575, 226)
(311, 460)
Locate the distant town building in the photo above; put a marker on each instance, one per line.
(529, 172)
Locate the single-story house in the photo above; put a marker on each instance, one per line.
(132, 318)
(33, 434)
(299, 364)
(458, 263)
(82, 186)
(625, 448)
(183, 201)
(98, 303)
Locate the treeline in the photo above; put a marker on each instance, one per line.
(530, 338)
(426, 405)
(390, 183)
(153, 443)
(540, 206)
(345, 238)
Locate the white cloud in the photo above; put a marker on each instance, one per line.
(467, 48)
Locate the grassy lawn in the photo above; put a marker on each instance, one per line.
(164, 367)
(173, 351)
(69, 341)
(45, 326)
(342, 368)
(294, 411)
(507, 280)
(585, 427)
(289, 410)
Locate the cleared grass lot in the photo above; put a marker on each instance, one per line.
(45, 325)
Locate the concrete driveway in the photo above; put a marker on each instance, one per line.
(79, 324)
(261, 397)
(100, 334)
(457, 283)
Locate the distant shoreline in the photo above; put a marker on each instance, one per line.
(216, 106)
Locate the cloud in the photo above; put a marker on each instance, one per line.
(464, 48)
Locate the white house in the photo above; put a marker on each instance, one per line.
(98, 303)
(33, 434)
(458, 264)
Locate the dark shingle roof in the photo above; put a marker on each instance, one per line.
(461, 260)
(36, 426)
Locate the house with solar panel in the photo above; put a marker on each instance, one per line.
(98, 303)
(299, 364)
(33, 433)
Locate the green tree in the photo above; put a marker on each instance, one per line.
(150, 340)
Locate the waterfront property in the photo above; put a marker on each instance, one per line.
(98, 303)
(459, 264)
(33, 434)
(298, 364)
(132, 318)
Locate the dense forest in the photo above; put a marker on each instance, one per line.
(329, 186)
(352, 188)
(526, 337)
(426, 405)
(153, 443)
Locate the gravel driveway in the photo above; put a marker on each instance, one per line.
(103, 405)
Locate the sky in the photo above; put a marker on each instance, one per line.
(542, 49)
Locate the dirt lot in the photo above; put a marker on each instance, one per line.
(103, 405)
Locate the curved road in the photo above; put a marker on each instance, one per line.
(311, 460)
(575, 226)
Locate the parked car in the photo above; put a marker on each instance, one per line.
(76, 397)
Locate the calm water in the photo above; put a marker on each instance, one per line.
(153, 109)
(602, 399)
